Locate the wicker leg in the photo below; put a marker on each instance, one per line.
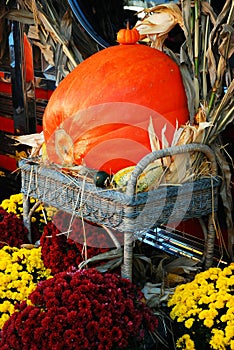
(126, 269)
(26, 216)
(209, 249)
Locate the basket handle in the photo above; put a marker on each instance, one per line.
(170, 151)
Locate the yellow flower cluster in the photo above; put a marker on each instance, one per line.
(185, 342)
(206, 303)
(15, 205)
(20, 271)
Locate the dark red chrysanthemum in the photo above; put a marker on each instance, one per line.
(60, 253)
(79, 310)
(12, 230)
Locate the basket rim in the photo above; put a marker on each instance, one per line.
(202, 184)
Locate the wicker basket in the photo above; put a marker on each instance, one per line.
(118, 210)
(127, 212)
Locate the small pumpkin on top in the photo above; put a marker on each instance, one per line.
(128, 36)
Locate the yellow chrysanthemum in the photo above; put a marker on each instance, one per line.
(20, 269)
(188, 323)
(206, 303)
(230, 313)
(5, 203)
(3, 319)
(208, 322)
(15, 205)
(229, 330)
(217, 340)
(185, 342)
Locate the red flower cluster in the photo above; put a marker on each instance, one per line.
(12, 230)
(60, 253)
(80, 310)
(80, 230)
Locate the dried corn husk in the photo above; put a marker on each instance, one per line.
(155, 144)
(35, 141)
(32, 140)
(158, 22)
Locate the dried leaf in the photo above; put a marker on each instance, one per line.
(165, 143)
(212, 66)
(158, 22)
(170, 8)
(213, 42)
(32, 140)
(33, 33)
(20, 15)
(222, 115)
(140, 269)
(155, 146)
(151, 289)
(208, 10)
(112, 254)
(155, 300)
(157, 40)
(226, 47)
(225, 193)
(176, 136)
(52, 35)
(66, 25)
(47, 52)
(186, 135)
(199, 132)
(200, 116)
(186, 14)
(181, 265)
(177, 172)
(110, 265)
(160, 272)
(154, 141)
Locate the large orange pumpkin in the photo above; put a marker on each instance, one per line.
(111, 97)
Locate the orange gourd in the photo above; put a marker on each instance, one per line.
(128, 36)
(100, 113)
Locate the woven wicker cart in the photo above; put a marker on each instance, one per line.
(129, 212)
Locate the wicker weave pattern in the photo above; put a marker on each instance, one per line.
(118, 210)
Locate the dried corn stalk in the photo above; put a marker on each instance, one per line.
(204, 64)
(50, 30)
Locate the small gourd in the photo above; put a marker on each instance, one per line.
(128, 36)
(102, 179)
(149, 179)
